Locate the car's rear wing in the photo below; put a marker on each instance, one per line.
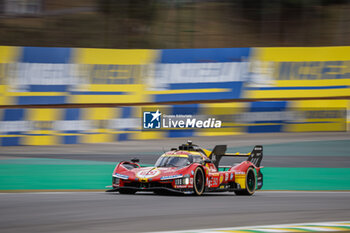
(219, 151)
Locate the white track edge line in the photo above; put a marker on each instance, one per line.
(249, 227)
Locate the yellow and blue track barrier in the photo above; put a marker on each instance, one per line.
(319, 77)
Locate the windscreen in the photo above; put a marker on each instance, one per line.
(172, 161)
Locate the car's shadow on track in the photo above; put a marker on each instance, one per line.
(217, 194)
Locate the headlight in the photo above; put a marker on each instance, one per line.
(182, 181)
(115, 180)
(186, 180)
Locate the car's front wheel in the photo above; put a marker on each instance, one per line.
(198, 181)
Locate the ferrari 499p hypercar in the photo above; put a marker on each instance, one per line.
(190, 169)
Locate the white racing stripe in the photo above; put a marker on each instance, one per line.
(307, 227)
(335, 224)
(268, 230)
(314, 228)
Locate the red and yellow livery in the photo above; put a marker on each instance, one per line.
(190, 169)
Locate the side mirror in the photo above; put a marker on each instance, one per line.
(135, 160)
(207, 161)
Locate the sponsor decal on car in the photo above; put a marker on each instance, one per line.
(148, 173)
(240, 173)
(143, 180)
(214, 181)
(171, 177)
(221, 178)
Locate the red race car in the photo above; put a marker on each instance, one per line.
(190, 169)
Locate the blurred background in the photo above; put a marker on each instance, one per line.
(174, 23)
(77, 75)
(82, 71)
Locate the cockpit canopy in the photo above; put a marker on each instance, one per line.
(178, 160)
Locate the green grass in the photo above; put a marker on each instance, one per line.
(283, 178)
(61, 174)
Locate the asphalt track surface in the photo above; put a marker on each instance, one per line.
(149, 151)
(113, 212)
(145, 212)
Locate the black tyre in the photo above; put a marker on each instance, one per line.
(198, 181)
(250, 184)
(127, 191)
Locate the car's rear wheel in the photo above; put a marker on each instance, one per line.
(198, 181)
(250, 184)
(127, 191)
